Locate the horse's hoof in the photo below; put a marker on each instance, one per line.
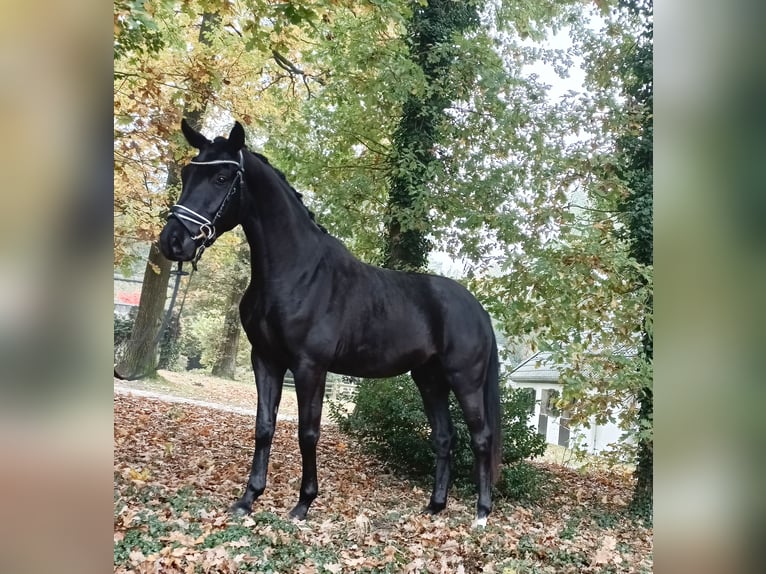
(240, 508)
(434, 508)
(299, 513)
(479, 523)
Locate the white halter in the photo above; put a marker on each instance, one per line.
(206, 226)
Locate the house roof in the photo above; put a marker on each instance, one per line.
(540, 368)
(537, 368)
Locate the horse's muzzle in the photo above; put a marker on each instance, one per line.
(175, 242)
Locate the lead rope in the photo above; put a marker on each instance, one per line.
(166, 320)
(186, 290)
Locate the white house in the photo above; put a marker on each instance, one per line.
(541, 375)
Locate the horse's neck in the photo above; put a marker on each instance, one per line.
(282, 237)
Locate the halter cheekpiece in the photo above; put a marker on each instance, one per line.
(206, 227)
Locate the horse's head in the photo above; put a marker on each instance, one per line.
(210, 196)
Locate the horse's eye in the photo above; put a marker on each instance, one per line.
(220, 179)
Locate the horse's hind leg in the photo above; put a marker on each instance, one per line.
(471, 399)
(309, 388)
(268, 380)
(435, 392)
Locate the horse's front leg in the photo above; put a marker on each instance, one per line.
(309, 388)
(268, 380)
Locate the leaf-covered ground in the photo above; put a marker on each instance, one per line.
(178, 466)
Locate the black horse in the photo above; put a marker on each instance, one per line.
(312, 307)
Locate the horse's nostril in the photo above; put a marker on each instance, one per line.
(175, 244)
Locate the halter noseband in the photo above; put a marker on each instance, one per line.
(206, 229)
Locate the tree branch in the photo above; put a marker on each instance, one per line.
(294, 70)
(286, 64)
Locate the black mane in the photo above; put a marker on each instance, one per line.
(298, 194)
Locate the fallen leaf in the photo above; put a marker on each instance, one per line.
(450, 545)
(415, 565)
(605, 553)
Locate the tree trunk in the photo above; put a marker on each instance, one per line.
(636, 161)
(406, 245)
(643, 492)
(429, 33)
(140, 357)
(226, 359)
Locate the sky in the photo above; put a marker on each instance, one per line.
(442, 262)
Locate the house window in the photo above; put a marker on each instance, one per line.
(548, 403)
(548, 397)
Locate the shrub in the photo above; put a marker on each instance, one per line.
(520, 481)
(123, 326)
(122, 329)
(388, 422)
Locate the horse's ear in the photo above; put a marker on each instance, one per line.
(194, 138)
(237, 137)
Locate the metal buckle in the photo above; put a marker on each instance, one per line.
(206, 232)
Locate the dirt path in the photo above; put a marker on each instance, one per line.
(206, 391)
(121, 389)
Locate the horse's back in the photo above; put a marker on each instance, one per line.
(396, 321)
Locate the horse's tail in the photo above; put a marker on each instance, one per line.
(494, 411)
